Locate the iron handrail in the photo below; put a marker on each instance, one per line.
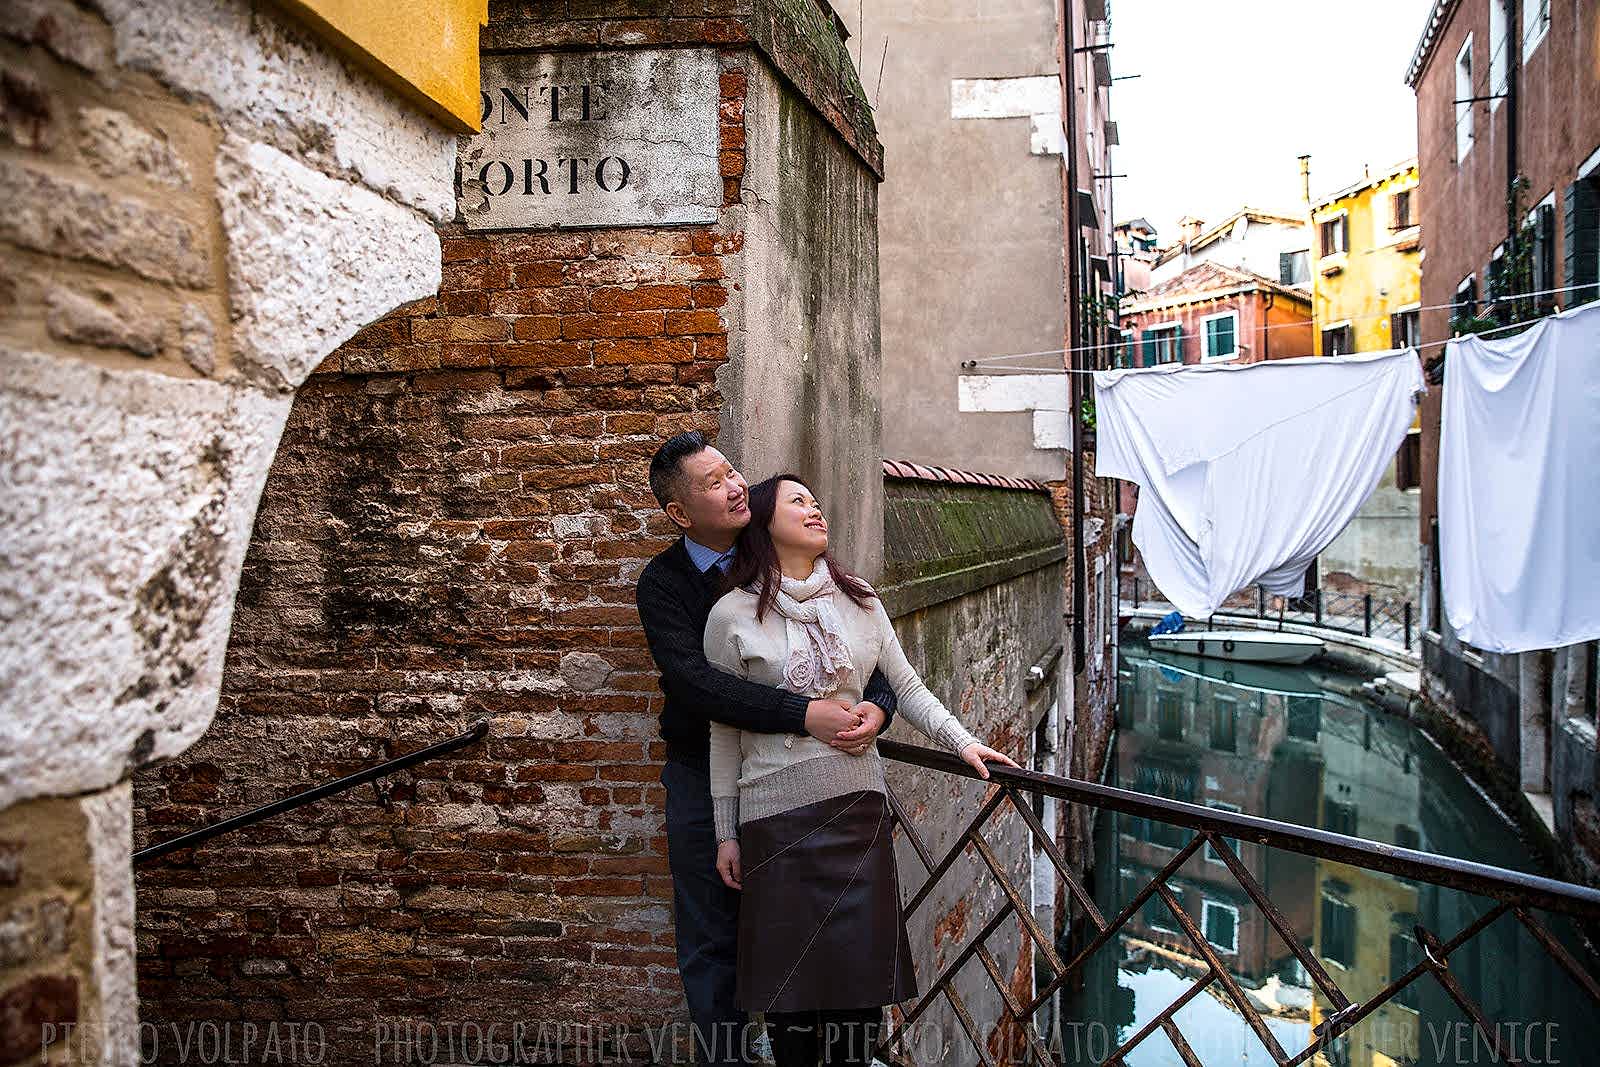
(308, 796)
(1514, 892)
(1516, 887)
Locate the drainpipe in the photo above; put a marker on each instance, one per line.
(1513, 62)
(1266, 326)
(1074, 332)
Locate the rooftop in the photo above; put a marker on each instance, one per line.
(1209, 280)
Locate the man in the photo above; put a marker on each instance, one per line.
(704, 496)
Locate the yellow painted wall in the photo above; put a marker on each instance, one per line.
(1393, 1027)
(426, 50)
(1375, 278)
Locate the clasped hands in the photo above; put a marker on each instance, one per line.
(849, 729)
(853, 729)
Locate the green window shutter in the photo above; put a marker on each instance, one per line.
(1148, 344)
(1581, 241)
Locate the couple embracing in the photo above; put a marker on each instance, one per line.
(780, 668)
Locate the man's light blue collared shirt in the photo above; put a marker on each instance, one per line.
(706, 558)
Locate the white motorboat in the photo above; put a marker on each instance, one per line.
(1245, 646)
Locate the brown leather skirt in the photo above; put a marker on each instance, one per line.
(819, 918)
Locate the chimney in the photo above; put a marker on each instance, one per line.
(1305, 180)
(1189, 228)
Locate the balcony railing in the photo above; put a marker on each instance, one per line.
(1514, 892)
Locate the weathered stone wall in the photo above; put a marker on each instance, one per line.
(975, 577)
(197, 203)
(451, 532)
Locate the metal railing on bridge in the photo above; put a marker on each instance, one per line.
(1388, 618)
(1513, 892)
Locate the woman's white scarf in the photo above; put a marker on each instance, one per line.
(819, 654)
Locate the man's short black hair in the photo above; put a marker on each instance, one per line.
(666, 466)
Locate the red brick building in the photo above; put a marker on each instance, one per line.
(1508, 91)
(1215, 313)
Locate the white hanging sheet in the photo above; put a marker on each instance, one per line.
(1247, 471)
(1519, 485)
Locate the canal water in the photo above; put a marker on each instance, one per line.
(1300, 745)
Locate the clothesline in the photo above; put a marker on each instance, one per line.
(974, 363)
(1275, 359)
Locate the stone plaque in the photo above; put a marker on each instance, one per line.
(594, 139)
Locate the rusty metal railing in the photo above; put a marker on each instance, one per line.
(1513, 891)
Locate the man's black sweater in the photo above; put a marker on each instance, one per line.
(675, 600)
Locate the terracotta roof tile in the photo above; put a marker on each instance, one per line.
(906, 470)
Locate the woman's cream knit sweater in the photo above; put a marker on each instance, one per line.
(758, 774)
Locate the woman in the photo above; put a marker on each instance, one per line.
(803, 828)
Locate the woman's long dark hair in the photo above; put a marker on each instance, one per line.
(755, 563)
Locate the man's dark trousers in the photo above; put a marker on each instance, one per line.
(707, 917)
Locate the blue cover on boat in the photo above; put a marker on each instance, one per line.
(1171, 623)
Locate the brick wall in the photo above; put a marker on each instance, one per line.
(452, 531)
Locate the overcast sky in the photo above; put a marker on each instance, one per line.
(1229, 94)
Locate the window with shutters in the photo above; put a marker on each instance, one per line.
(1339, 817)
(1408, 462)
(1400, 210)
(1465, 304)
(1126, 350)
(1543, 220)
(1221, 334)
(1404, 328)
(1338, 340)
(1224, 723)
(1496, 285)
(1293, 268)
(1404, 954)
(1334, 235)
(1580, 241)
(1463, 102)
(1163, 344)
(1303, 717)
(1338, 931)
(1169, 715)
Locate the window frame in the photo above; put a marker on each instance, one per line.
(1350, 336)
(1414, 309)
(1499, 77)
(1339, 902)
(1233, 842)
(1544, 245)
(1175, 326)
(1342, 218)
(1541, 26)
(1465, 115)
(1206, 904)
(1206, 355)
(1470, 282)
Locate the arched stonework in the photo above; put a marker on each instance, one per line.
(198, 202)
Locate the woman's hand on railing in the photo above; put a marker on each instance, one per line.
(976, 753)
(728, 864)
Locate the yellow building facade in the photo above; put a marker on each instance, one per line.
(1367, 270)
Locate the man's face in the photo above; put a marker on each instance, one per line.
(712, 505)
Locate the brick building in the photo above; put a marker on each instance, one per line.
(451, 531)
(438, 351)
(1508, 93)
(1215, 313)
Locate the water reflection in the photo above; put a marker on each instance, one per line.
(1289, 743)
